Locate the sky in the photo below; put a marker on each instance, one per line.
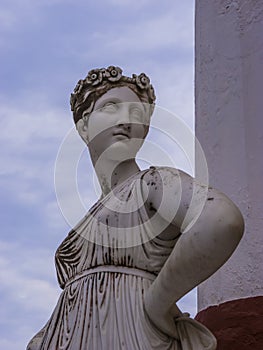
(46, 47)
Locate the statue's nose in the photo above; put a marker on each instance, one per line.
(124, 117)
(125, 126)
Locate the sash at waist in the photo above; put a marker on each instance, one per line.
(115, 269)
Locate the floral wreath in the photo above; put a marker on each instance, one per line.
(105, 78)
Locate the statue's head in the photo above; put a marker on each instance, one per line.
(99, 81)
(109, 107)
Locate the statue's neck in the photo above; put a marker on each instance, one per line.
(111, 174)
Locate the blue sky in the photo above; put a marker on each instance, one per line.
(46, 46)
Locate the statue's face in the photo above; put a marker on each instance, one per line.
(118, 125)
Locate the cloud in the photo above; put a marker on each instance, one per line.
(54, 218)
(42, 59)
(176, 91)
(130, 3)
(30, 140)
(7, 19)
(152, 34)
(14, 11)
(23, 121)
(28, 292)
(160, 34)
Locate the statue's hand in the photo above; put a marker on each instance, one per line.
(163, 320)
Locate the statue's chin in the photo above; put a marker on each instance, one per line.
(121, 151)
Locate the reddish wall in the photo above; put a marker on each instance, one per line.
(237, 324)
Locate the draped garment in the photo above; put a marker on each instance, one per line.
(105, 266)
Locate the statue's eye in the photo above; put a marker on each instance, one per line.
(109, 107)
(137, 112)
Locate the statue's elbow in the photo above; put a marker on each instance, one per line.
(228, 222)
(235, 224)
(239, 224)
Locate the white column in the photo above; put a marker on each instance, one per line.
(229, 126)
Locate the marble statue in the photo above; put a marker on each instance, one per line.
(136, 252)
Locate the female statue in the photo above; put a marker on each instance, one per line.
(130, 259)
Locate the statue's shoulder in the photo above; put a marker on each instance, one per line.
(157, 175)
(163, 181)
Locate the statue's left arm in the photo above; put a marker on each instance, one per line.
(211, 226)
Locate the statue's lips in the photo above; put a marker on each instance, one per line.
(121, 133)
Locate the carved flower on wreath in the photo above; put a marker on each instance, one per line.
(94, 77)
(113, 73)
(142, 81)
(79, 86)
(151, 93)
(72, 101)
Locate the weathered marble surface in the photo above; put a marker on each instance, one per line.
(143, 245)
